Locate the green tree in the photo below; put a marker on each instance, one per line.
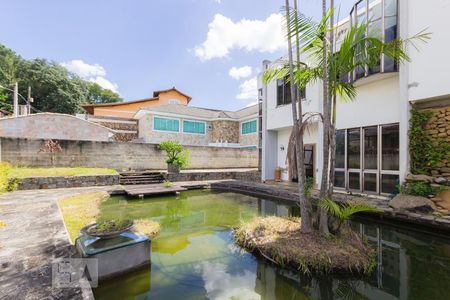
(97, 94)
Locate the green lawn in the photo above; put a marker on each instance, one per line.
(20, 172)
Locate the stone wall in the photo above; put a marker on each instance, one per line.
(220, 175)
(53, 126)
(438, 127)
(116, 155)
(250, 139)
(56, 182)
(225, 131)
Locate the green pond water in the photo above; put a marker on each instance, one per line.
(194, 257)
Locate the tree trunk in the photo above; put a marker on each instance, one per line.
(323, 216)
(297, 120)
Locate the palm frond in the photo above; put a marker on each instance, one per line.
(346, 210)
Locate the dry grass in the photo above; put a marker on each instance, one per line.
(2, 224)
(22, 172)
(148, 227)
(80, 210)
(280, 241)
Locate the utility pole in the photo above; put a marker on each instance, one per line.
(29, 100)
(16, 100)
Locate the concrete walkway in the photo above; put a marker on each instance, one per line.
(33, 238)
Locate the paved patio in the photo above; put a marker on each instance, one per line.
(33, 238)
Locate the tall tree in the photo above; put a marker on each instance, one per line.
(97, 94)
(297, 119)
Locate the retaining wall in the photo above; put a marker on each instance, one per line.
(219, 175)
(119, 155)
(56, 182)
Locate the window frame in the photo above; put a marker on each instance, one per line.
(248, 121)
(195, 121)
(166, 118)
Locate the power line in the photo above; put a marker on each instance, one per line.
(26, 101)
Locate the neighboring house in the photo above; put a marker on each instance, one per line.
(199, 126)
(129, 108)
(53, 126)
(372, 136)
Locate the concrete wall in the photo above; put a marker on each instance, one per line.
(117, 155)
(53, 126)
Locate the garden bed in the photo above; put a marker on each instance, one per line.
(280, 241)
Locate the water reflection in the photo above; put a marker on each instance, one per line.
(195, 257)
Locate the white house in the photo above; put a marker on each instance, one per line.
(372, 140)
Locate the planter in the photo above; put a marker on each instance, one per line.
(171, 168)
(89, 230)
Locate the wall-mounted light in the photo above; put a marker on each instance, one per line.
(282, 148)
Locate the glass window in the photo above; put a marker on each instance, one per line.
(340, 149)
(370, 182)
(370, 147)
(390, 147)
(390, 30)
(353, 181)
(166, 124)
(389, 183)
(353, 148)
(339, 179)
(283, 91)
(248, 127)
(375, 23)
(194, 127)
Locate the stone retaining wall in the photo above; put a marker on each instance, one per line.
(35, 183)
(220, 175)
(117, 155)
(438, 127)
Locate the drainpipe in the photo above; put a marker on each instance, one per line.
(405, 106)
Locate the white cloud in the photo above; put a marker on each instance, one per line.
(242, 72)
(248, 91)
(94, 73)
(250, 35)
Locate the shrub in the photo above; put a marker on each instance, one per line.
(175, 154)
(418, 188)
(8, 183)
(309, 183)
(167, 184)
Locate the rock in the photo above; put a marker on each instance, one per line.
(436, 199)
(440, 180)
(412, 203)
(419, 177)
(444, 170)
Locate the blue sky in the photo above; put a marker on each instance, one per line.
(140, 46)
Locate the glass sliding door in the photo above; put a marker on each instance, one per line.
(370, 159)
(354, 158)
(367, 159)
(390, 158)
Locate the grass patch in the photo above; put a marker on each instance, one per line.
(83, 209)
(80, 210)
(280, 241)
(148, 227)
(22, 172)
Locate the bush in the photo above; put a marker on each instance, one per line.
(167, 184)
(309, 184)
(8, 183)
(418, 188)
(175, 154)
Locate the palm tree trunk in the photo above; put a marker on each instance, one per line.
(323, 216)
(333, 113)
(297, 119)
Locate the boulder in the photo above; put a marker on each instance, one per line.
(440, 180)
(445, 199)
(419, 177)
(412, 203)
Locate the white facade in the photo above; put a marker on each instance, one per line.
(381, 106)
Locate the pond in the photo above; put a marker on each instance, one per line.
(194, 257)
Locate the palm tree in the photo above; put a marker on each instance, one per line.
(357, 50)
(304, 207)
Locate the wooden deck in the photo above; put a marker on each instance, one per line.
(142, 190)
